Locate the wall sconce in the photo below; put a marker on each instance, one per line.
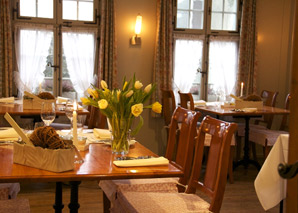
(136, 39)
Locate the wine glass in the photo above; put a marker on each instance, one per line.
(48, 112)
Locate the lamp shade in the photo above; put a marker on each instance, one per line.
(138, 26)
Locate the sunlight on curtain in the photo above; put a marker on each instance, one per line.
(187, 59)
(223, 62)
(32, 46)
(79, 50)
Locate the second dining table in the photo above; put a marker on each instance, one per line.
(97, 165)
(216, 109)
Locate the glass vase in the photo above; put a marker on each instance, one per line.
(120, 135)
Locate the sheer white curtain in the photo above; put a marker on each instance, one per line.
(32, 46)
(79, 50)
(223, 63)
(187, 59)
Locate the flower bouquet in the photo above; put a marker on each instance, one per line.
(121, 107)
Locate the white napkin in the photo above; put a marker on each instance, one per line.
(61, 100)
(142, 162)
(200, 103)
(7, 100)
(102, 133)
(8, 135)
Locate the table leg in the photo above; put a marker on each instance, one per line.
(74, 194)
(58, 206)
(246, 161)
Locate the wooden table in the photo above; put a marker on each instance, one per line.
(98, 165)
(17, 109)
(266, 110)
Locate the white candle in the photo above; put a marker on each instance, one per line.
(241, 89)
(39, 90)
(75, 125)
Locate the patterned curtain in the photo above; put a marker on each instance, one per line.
(248, 48)
(107, 51)
(5, 49)
(163, 56)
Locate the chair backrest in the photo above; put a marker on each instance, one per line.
(269, 99)
(96, 119)
(182, 133)
(213, 184)
(284, 120)
(185, 99)
(168, 105)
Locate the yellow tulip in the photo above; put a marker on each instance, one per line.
(137, 109)
(138, 85)
(124, 86)
(103, 84)
(148, 88)
(156, 107)
(85, 101)
(103, 104)
(118, 94)
(129, 94)
(92, 92)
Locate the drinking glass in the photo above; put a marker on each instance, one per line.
(48, 112)
(69, 112)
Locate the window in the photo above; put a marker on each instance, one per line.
(206, 39)
(55, 43)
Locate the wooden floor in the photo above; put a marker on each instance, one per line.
(239, 197)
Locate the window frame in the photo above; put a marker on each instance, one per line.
(58, 23)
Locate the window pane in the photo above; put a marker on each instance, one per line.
(223, 58)
(69, 10)
(197, 19)
(86, 11)
(231, 6)
(78, 62)
(216, 21)
(217, 5)
(182, 19)
(183, 4)
(188, 58)
(45, 9)
(197, 5)
(229, 22)
(28, 8)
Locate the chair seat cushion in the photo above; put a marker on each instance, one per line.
(15, 206)
(110, 187)
(159, 202)
(241, 128)
(261, 136)
(13, 189)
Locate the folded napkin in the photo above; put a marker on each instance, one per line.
(102, 133)
(61, 100)
(200, 103)
(250, 109)
(7, 100)
(8, 135)
(142, 162)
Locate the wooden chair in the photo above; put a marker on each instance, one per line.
(179, 151)
(269, 99)
(186, 101)
(168, 107)
(267, 137)
(212, 185)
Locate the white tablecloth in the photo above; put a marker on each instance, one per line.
(269, 186)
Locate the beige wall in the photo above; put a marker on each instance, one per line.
(274, 23)
(139, 60)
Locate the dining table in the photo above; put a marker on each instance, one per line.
(217, 109)
(97, 165)
(269, 185)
